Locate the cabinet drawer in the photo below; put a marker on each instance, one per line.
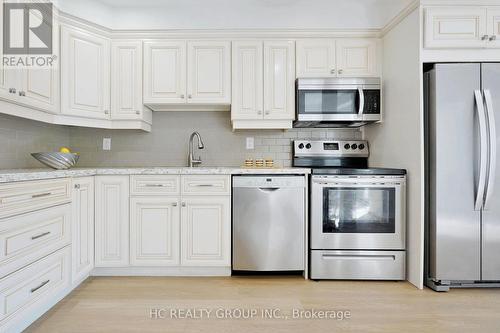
(206, 184)
(358, 265)
(154, 185)
(37, 282)
(18, 198)
(30, 236)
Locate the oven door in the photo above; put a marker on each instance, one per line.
(363, 213)
(339, 103)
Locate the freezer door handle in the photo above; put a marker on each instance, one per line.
(493, 148)
(483, 155)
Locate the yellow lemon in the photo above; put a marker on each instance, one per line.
(64, 150)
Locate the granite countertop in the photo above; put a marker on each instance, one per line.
(16, 175)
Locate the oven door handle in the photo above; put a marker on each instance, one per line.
(361, 102)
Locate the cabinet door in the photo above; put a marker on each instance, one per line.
(126, 80)
(279, 80)
(247, 81)
(85, 74)
(209, 72)
(154, 231)
(356, 57)
(82, 230)
(455, 27)
(165, 72)
(206, 231)
(6, 75)
(494, 27)
(112, 221)
(316, 58)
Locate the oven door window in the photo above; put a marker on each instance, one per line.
(359, 210)
(328, 101)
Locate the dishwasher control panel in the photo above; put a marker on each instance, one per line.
(269, 181)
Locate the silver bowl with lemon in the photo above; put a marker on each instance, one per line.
(62, 160)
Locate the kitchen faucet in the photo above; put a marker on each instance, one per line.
(192, 161)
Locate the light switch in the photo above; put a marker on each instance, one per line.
(106, 144)
(250, 143)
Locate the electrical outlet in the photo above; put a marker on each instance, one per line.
(250, 143)
(106, 144)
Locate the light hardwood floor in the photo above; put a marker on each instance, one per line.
(123, 304)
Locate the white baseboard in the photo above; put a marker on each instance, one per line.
(161, 271)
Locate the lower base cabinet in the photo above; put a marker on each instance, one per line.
(206, 231)
(154, 231)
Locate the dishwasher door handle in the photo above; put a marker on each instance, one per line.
(269, 189)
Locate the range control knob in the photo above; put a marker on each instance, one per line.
(301, 146)
(347, 146)
(308, 146)
(361, 146)
(354, 146)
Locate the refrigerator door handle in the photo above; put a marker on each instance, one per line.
(493, 148)
(483, 155)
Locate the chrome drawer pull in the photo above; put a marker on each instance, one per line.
(41, 195)
(40, 236)
(40, 286)
(359, 257)
(154, 185)
(204, 185)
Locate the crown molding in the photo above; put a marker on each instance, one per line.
(400, 17)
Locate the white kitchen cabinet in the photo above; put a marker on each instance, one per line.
(154, 231)
(247, 81)
(82, 230)
(263, 81)
(493, 27)
(455, 27)
(165, 72)
(316, 58)
(206, 231)
(126, 80)
(279, 80)
(356, 57)
(209, 72)
(85, 72)
(112, 221)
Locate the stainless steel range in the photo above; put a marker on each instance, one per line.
(357, 214)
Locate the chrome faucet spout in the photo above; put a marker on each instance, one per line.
(192, 161)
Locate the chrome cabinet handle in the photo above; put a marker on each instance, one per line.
(41, 235)
(40, 286)
(259, 112)
(183, 204)
(14, 90)
(137, 112)
(153, 185)
(268, 112)
(341, 71)
(22, 93)
(182, 96)
(77, 186)
(34, 196)
(106, 111)
(189, 96)
(174, 204)
(204, 185)
(485, 37)
(332, 71)
(492, 38)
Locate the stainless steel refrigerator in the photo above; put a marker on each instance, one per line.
(463, 185)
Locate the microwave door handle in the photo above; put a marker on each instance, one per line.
(493, 148)
(361, 102)
(483, 158)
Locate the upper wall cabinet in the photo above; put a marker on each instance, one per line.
(85, 68)
(263, 84)
(337, 58)
(164, 72)
(194, 72)
(126, 80)
(461, 27)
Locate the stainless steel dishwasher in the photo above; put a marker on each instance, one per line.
(268, 223)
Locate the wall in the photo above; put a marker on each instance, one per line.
(398, 141)
(235, 14)
(167, 144)
(19, 137)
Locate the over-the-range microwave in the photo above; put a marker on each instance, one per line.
(337, 102)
